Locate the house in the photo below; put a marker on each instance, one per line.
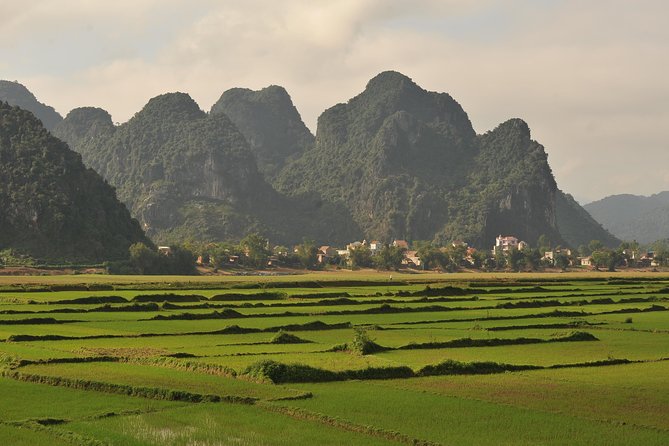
(469, 257)
(586, 261)
(401, 244)
(648, 259)
(355, 245)
(327, 250)
(505, 244)
(325, 253)
(411, 259)
(165, 250)
(344, 253)
(375, 246)
(549, 256)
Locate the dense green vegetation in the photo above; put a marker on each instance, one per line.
(336, 359)
(54, 208)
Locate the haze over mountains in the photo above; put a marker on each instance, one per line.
(396, 161)
(634, 217)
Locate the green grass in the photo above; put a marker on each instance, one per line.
(26, 436)
(23, 401)
(161, 377)
(633, 394)
(451, 420)
(623, 404)
(219, 425)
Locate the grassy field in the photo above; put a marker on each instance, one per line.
(335, 358)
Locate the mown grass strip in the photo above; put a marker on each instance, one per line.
(230, 329)
(44, 426)
(579, 336)
(136, 391)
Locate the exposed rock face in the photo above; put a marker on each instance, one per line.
(18, 95)
(270, 123)
(53, 207)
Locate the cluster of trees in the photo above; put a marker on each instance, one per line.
(255, 252)
(145, 259)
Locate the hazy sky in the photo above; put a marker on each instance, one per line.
(591, 77)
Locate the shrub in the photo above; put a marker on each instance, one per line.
(265, 295)
(628, 320)
(278, 373)
(363, 344)
(451, 367)
(171, 297)
(286, 338)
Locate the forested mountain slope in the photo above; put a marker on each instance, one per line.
(53, 207)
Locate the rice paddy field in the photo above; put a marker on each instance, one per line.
(332, 359)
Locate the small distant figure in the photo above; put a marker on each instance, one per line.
(390, 277)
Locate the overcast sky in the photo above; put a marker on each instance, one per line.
(591, 77)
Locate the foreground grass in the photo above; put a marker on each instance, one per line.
(210, 425)
(452, 420)
(621, 404)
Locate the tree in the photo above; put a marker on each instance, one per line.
(180, 261)
(595, 245)
(479, 258)
(255, 250)
(531, 258)
(561, 261)
(516, 259)
(543, 243)
(143, 259)
(456, 254)
(430, 256)
(389, 257)
(219, 254)
(361, 257)
(603, 258)
(500, 259)
(307, 254)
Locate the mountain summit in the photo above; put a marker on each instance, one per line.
(270, 123)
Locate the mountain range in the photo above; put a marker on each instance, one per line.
(395, 161)
(634, 217)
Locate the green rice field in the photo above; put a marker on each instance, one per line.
(335, 358)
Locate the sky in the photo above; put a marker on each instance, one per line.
(590, 77)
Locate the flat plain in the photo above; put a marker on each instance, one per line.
(335, 358)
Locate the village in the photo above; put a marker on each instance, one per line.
(509, 253)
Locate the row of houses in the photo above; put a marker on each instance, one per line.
(411, 259)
